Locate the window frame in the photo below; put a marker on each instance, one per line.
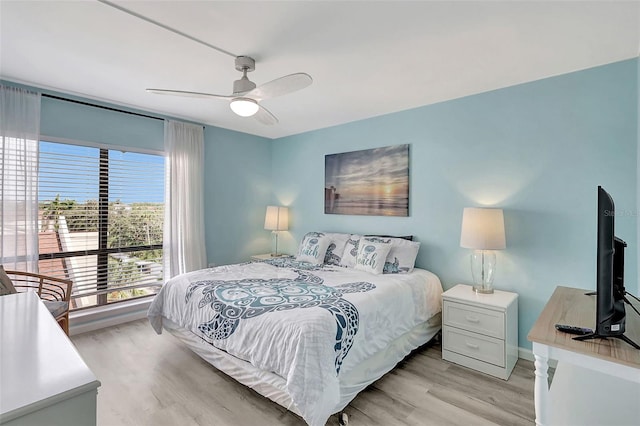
(103, 251)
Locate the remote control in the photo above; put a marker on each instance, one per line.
(571, 329)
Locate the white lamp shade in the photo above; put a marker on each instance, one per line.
(276, 219)
(244, 107)
(482, 229)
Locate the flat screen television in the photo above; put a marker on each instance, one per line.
(610, 291)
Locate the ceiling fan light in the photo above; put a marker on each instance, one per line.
(244, 107)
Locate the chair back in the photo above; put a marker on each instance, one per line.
(47, 287)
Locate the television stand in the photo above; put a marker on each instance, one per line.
(597, 336)
(599, 366)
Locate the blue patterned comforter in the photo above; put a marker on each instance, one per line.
(306, 323)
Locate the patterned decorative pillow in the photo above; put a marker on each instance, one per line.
(350, 251)
(372, 253)
(402, 256)
(313, 248)
(307, 235)
(335, 251)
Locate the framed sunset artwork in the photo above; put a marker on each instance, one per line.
(372, 182)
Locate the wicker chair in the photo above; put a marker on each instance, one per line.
(54, 292)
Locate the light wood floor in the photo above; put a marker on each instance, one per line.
(154, 380)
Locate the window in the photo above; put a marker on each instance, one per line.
(101, 221)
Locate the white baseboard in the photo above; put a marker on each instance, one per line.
(526, 354)
(107, 316)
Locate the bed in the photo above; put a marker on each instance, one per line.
(307, 336)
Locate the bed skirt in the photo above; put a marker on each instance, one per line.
(273, 386)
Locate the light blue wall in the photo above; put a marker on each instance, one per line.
(537, 150)
(73, 121)
(68, 120)
(237, 191)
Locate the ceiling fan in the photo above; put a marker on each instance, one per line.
(246, 97)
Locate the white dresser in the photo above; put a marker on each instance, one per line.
(43, 379)
(480, 331)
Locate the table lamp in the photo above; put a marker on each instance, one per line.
(276, 220)
(483, 231)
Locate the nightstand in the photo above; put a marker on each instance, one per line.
(480, 331)
(266, 256)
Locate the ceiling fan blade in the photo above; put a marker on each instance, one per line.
(185, 93)
(280, 86)
(265, 117)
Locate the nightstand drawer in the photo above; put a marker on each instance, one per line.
(484, 321)
(473, 345)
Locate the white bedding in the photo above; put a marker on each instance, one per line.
(307, 324)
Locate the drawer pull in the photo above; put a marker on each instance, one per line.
(472, 346)
(473, 319)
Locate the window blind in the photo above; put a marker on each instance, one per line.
(101, 220)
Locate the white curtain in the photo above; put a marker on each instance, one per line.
(184, 248)
(19, 135)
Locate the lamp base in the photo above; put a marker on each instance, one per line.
(483, 266)
(482, 290)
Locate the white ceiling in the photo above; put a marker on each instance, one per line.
(366, 58)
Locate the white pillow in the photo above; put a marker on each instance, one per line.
(371, 255)
(313, 248)
(402, 257)
(350, 251)
(335, 251)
